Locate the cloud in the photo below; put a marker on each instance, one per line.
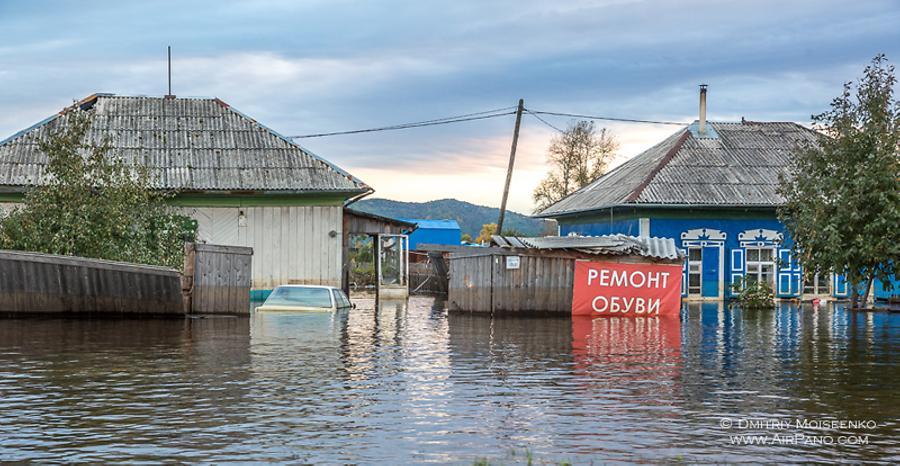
(315, 66)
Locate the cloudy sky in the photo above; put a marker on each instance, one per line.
(312, 66)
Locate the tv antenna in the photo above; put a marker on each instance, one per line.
(169, 95)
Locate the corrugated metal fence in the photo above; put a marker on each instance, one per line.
(217, 278)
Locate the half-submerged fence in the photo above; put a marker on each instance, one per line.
(49, 284)
(217, 279)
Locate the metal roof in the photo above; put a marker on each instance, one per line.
(617, 245)
(735, 164)
(381, 218)
(429, 224)
(196, 144)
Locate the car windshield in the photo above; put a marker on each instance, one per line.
(340, 299)
(299, 296)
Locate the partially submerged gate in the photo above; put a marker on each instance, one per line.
(390, 247)
(217, 279)
(392, 266)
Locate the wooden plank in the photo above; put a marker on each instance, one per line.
(217, 248)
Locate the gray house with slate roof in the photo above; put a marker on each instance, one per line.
(245, 184)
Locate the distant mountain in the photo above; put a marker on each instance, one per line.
(469, 216)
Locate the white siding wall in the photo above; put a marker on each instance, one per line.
(291, 244)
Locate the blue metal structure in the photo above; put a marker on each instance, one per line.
(430, 231)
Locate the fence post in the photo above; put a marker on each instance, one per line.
(187, 278)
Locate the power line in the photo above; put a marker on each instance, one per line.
(418, 124)
(483, 116)
(594, 117)
(544, 121)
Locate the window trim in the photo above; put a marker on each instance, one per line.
(758, 264)
(698, 290)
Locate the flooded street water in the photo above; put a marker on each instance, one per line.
(414, 384)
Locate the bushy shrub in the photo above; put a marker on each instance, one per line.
(93, 204)
(753, 295)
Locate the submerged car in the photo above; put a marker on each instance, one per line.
(306, 298)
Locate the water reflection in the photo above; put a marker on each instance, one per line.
(635, 347)
(71, 389)
(397, 383)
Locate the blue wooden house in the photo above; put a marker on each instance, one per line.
(713, 188)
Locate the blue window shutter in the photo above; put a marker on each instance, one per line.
(737, 267)
(784, 285)
(784, 260)
(786, 279)
(684, 273)
(840, 285)
(737, 261)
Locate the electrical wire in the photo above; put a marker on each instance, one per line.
(544, 121)
(483, 116)
(418, 124)
(594, 117)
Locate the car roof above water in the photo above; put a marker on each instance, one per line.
(308, 286)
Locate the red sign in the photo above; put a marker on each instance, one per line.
(627, 290)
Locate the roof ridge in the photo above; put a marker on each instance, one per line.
(147, 96)
(293, 168)
(659, 166)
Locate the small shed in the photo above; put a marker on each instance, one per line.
(520, 274)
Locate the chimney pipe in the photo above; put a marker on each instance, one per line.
(702, 128)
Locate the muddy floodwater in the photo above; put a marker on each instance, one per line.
(412, 384)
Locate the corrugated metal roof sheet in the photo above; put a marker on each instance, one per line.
(660, 248)
(738, 167)
(430, 224)
(187, 143)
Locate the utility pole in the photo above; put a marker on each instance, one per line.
(512, 162)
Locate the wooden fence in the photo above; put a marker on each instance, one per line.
(485, 283)
(46, 284)
(217, 279)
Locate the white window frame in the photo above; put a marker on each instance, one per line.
(754, 268)
(694, 267)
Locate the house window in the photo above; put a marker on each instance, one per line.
(695, 270)
(818, 283)
(760, 266)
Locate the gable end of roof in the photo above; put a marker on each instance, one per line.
(659, 166)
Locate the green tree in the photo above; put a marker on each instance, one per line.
(93, 204)
(842, 196)
(577, 157)
(466, 238)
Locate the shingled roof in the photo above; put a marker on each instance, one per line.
(190, 144)
(731, 165)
